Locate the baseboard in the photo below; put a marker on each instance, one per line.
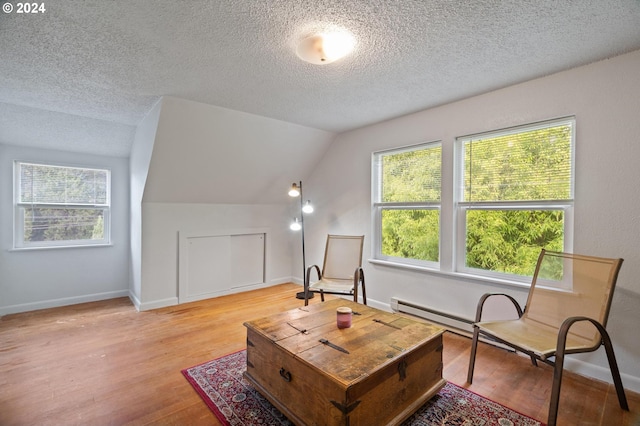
(66, 301)
(134, 299)
(171, 301)
(600, 373)
(281, 280)
(157, 304)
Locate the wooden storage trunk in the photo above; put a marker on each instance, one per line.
(394, 364)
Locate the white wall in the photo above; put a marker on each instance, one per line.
(139, 161)
(214, 169)
(36, 279)
(208, 154)
(605, 99)
(162, 223)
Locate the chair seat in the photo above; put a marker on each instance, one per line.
(333, 285)
(532, 336)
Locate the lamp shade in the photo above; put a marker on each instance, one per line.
(307, 208)
(295, 225)
(294, 191)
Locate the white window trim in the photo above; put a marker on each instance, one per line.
(18, 221)
(460, 243)
(379, 206)
(461, 207)
(454, 232)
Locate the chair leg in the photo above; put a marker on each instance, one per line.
(306, 296)
(322, 295)
(472, 358)
(555, 388)
(613, 366)
(364, 293)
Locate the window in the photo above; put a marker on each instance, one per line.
(61, 206)
(514, 197)
(407, 204)
(511, 194)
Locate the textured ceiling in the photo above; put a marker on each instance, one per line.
(81, 75)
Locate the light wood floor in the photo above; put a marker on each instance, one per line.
(104, 363)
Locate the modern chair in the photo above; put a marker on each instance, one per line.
(566, 313)
(341, 271)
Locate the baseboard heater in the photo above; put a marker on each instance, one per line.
(450, 321)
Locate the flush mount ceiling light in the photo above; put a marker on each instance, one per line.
(325, 48)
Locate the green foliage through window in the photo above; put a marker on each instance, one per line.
(509, 241)
(408, 202)
(522, 166)
(411, 176)
(512, 196)
(516, 188)
(411, 234)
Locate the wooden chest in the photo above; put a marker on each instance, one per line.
(393, 364)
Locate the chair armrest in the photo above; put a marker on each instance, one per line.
(566, 325)
(308, 278)
(488, 295)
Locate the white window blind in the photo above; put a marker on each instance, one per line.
(407, 204)
(524, 164)
(410, 175)
(514, 197)
(61, 206)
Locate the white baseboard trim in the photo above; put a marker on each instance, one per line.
(600, 373)
(163, 303)
(156, 304)
(66, 301)
(134, 299)
(281, 280)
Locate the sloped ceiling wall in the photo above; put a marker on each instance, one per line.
(208, 154)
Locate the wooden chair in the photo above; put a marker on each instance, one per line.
(566, 313)
(341, 271)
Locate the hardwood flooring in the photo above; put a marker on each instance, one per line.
(104, 363)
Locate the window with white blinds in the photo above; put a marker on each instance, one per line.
(524, 164)
(57, 206)
(407, 204)
(514, 196)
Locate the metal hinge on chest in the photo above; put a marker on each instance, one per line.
(346, 409)
(402, 369)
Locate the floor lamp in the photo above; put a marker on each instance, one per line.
(298, 225)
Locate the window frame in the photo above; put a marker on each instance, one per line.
(20, 207)
(452, 230)
(461, 207)
(380, 206)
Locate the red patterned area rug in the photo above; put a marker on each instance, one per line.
(236, 403)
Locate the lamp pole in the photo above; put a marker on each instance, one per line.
(296, 191)
(304, 259)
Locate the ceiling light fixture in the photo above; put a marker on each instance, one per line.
(325, 48)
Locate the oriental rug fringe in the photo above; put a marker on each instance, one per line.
(236, 403)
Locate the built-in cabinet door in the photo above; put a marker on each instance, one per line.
(214, 265)
(247, 260)
(208, 272)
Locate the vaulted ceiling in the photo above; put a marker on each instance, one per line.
(83, 74)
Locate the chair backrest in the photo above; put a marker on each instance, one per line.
(342, 255)
(566, 285)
